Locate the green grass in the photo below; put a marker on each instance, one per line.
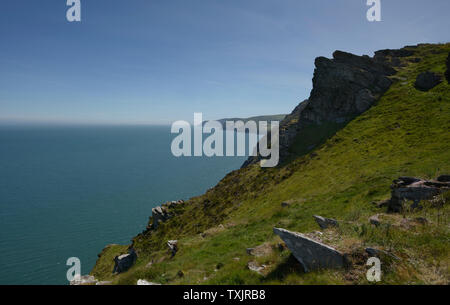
(405, 133)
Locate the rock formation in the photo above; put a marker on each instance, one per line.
(414, 189)
(173, 247)
(124, 262)
(427, 80)
(325, 223)
(311, 254)
(343, 88)
(163, 213)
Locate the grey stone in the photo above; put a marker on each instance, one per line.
(325, 223)
(427, 80)
(343, 88)
(163, 213)
(414, 189)
(125, 261)
(374, 220)
(254, 266)
(378, 253)
(311, 254)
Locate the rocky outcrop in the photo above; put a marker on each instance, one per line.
(173, 247)
(311, 254)
(414, 189)
(163, 213)
(392, 57)
(427, 80)
(343, 88)
(325, 223)
(125, 261)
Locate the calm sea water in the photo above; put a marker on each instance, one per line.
(69, 191)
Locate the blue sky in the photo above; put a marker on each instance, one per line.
(148, 61)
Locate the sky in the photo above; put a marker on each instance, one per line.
(158, 61)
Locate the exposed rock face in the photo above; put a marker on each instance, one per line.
(124, 262)
(163, 213)
(325, 223)
(415, 189)
(392, 57)
(343, 88)
(427, 80)
(311, 254)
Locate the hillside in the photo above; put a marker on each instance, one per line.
(339, 170)
(267, 118)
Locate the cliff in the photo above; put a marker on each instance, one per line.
(364, 125)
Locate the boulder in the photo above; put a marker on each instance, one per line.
(325, 223)
(254, 266)
(373, 252)
(163, 213)
(343, 88)
(173, 246)
(83, 280)
(311, 254)
(427, 80)
(125, 261)
(414, 189)
(374, 220)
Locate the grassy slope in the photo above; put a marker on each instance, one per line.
(406, 133)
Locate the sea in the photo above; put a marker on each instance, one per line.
(67, 191)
